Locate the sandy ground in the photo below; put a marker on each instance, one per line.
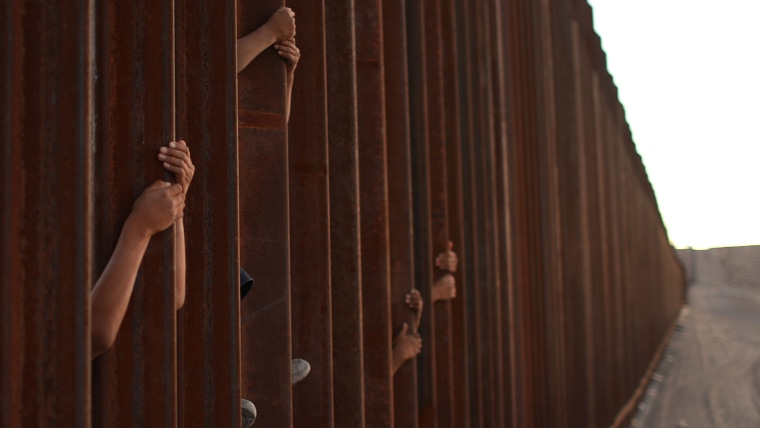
(710, 373)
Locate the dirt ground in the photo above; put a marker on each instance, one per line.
(710, 374)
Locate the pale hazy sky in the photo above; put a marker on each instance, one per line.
(688, 75)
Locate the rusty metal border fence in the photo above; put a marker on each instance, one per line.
(493, 124)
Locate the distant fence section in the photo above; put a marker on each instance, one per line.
(492, 124)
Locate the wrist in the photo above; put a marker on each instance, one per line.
(133, 226)
(399, 355)
(268, 34)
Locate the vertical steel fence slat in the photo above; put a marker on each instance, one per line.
(310, 221)
(373, 189)
(596, 156)
(468, 70)
(134, 383)
(47, 213)
(264, 226)
(345, 246)
(500, 241)
(399, 176)
(437, 218)
(551, 216)
(417, 37)
(488, 276)
(452, 79)
(209, 324)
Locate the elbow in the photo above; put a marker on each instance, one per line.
(102, 339)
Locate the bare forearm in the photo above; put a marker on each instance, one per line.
(253, 44)
(179, 254)
(288, 96)
(111, 294)
(398, 360)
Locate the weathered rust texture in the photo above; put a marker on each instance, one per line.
(531, 383)
(550, 216)
(264, 228)
(310, 221)
(47, 213)
(373, 189)
(437, 219)
(481, 137)
(401, 246)
(493, 124)
(423, 269)
(456, 228)
(209, 325)
(489, 268)
(468, 72)
(596, 157)
(345, 249)
(585, 298)
(496, 178)
(134, 383)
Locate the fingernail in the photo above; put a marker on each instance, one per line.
(162, 157)
(162, 150)
(172, 144)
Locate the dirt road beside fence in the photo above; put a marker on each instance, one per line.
(710, 374)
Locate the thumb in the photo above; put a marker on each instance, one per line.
(404, 328)
(175, 188)
(451, 246)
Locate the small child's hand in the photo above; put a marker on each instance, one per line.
(414, 300)
(176, 159)
(283, 24)
(288, 50)
(406, 346)
(444, 288)
(447, 260)
(157, 207)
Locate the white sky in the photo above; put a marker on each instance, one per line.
(688, 75)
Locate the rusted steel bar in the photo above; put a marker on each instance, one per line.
(528, 255)
(419, 118)
(373, 189)
(437, 219)
(507, 215)
(607, 402)
(209, 325)
(521, 369)
(572, 269)
(452, 81)
(348, 382)
(401, 245)
(487, 232)
(591, 199)
(264, 226)
(310, 221)
(601, 127)
(549, 182)
(629, 269)
(134, 383)
(536, 155)
(467, 86)
(501, 234)
(616, 240)
(47, 95)
(584, 290)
